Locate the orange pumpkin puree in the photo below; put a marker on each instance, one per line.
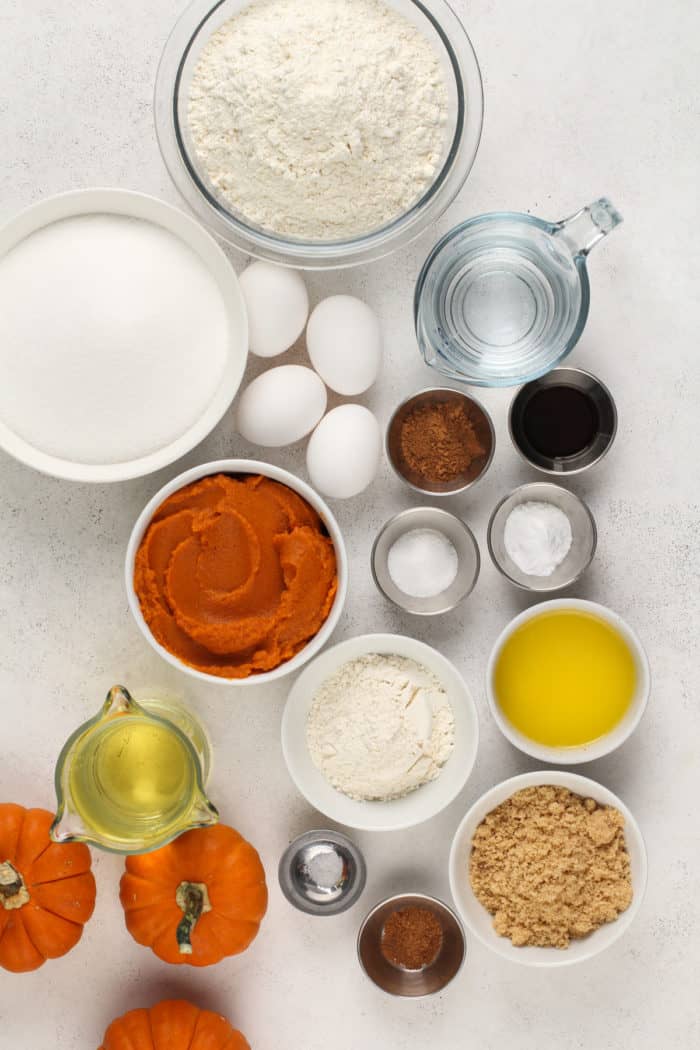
(235, 575)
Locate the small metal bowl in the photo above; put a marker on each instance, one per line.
(459, 535)
(322, 873)
(583, 544)
(607, 421)
(482, 426)
(411, 983)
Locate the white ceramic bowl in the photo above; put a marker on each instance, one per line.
(478, 919)
(422, 804)
(241, 466)
(571, 756)
(149, 209)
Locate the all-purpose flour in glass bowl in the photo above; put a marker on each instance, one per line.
(124, 335)
(421, 55)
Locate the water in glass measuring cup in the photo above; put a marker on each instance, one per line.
(504, 297)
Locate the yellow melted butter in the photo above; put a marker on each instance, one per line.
(565, 678)
(133, 779)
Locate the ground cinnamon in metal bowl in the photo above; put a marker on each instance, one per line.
(551, 866)
(440, 440)
(411, 938)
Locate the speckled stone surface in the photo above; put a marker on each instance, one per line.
(581, 99)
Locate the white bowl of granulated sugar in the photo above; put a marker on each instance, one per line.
(125, 335)
(380, 733)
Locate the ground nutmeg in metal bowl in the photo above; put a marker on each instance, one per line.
(551, 866)
(411, 938)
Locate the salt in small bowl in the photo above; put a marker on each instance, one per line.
(452, 528)
(322, 873)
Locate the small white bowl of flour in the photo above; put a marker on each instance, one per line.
(380, 732)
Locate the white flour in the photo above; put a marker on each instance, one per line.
(380, 727)
(319, 119)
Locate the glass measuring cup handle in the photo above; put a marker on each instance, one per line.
(583, 230)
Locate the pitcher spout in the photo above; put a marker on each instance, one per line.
(119, 701)
(586, 227)
(203, 813)
(68, 827)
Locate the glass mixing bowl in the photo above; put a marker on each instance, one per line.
(437, 21)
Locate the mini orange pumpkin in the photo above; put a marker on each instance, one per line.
(47, 892)
(173, 1024)
(198, 899)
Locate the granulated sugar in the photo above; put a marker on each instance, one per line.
(114, 338)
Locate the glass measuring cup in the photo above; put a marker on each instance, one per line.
(132, 778)
(504, 297)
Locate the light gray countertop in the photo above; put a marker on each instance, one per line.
(582, 99)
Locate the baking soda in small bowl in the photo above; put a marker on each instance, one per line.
(537, 537)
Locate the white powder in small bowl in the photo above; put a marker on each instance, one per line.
(423, 563)
(537, 537)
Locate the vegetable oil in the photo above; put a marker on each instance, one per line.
(565, 678)
(133, 780)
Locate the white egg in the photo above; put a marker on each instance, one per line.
(281, 406)
(344, 452)
(344, 340)
(278, 305)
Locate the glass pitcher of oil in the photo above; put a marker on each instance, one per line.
(132, 778)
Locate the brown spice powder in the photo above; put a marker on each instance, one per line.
(550, 866)
(411, 938)
(439, 442)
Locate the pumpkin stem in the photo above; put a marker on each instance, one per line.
(13, 892)
(193, 899)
